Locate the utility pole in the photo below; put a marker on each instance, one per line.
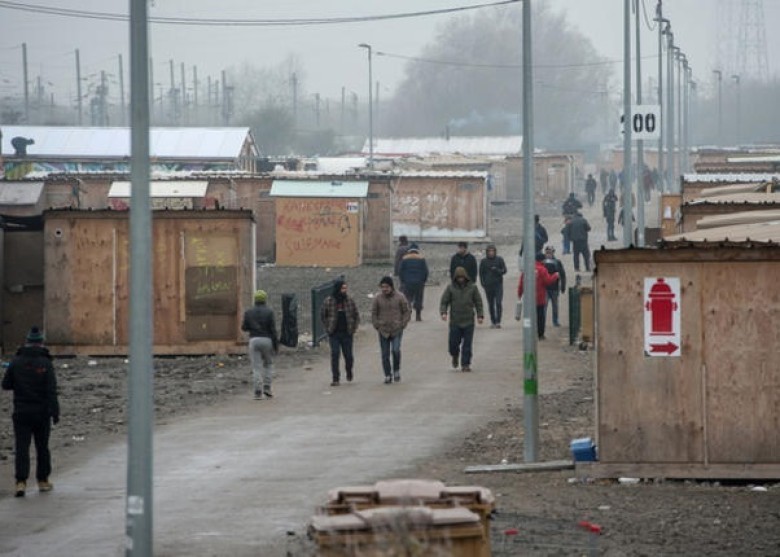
(343, 106)
(78, 86)
(661, 20)
(295, 100)
(26, 85)
(739, 110)
(673, 185)
(376, 108)
(371, 107)
(628, 216)
(122, 111)
(139, 502)
(530, 362)
(195, 86)
(640, 162)
(151, 89)
(317, 109)
(183, 90)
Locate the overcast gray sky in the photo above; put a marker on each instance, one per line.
(329, 53)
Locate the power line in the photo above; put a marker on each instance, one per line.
(502, 66)
(85, 14)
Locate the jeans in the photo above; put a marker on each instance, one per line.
(552, 297)
(388, 345)
(340, 342)
(261, 352)
(541, 317)
(414, 292)
(610, 228)
(461, 340)
(28, 427)
(581, 247)
(495, 298)
(566, 242)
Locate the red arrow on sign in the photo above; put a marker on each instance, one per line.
(668, 347)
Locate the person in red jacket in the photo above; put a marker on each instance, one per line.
(543, 280)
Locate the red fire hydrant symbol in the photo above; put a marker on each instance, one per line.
(661, 306)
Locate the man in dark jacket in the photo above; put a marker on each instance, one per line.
(260, 323)
(413, 275)
(403, 247)
(543, 281)
(553, 266)
(340, 316)
(30, 375)
(463, 258)
(578, 229)
(491, 275)
(590, 189)
(608, 206)
(463, 300)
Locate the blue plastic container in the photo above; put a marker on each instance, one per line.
(583, 450)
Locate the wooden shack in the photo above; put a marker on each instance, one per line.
(687, 383)
(204, 276)
(694, 211)
(432, 205)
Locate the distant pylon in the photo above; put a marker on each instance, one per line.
(751, 43)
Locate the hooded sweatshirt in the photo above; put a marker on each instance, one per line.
(462, 300)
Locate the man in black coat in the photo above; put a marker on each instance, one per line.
(463, 258)
(578, 229)
(413, 274)
(260, 323)
(30, 375)
(491, 275)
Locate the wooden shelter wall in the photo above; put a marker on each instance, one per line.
(377, 223)
(649, 409)
(691, 214)
(719, 402)
(202, 276)
(22, 302)
(440, 204)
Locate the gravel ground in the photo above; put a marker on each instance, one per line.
(546, 508)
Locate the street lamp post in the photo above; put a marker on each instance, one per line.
(719, 74)
(739, 108)
(370, 108)
(661, 114)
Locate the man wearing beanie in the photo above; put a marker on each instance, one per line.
(260, 323)
(491, 274)
(390, 313)
(30, 375)
(462, 300)
(413, 275)
(340, 316)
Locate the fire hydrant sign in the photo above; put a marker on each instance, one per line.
(662, 316)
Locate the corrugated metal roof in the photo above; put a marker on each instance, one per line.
(340, 165)
(757, 158)
(738, 198)
(738, 219)
(502, 145)
(757, 232)
(311, 188)
(443, 174)
(734, 188)
(168, 188)
(20, 193)
(114, 143)
(731, 177)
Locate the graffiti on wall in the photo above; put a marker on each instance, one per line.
(313, 231)
(423, 205)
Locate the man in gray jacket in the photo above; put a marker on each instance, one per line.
(463, 300)
(390, 313)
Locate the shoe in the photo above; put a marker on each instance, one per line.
(466, 368)
(498, 325)
(267, 392)
(349, 376)
(455, 361)
(388, 380)
(334, 383)
(20, 489)
(542, 337)
(492, 325)
(556, 324)
(45, 485)
(397, 377)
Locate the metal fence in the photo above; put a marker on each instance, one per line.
(318, 295)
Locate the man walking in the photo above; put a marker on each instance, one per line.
(30, 375)
(390, 313)
(543, 281)
(553, 266)
(260, 323)
(608, 206)
(578, 229)
(463, 258)
(491, 275)
(463, 300)
(590, 189)
(340, 317)
(413, 275)
(403, 247)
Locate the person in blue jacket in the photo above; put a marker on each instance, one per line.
(413, 273)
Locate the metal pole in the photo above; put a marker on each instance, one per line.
(640, 161)
(370, 108)
(670, 106)
(26, 85)
(122, 112)
(195, 87)
(720, 106)
(141, 396)
(530, 367)
(680, 146)
(662, 113)
(628, 225)
(78, 85)
(686, 114)
(739, 110)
